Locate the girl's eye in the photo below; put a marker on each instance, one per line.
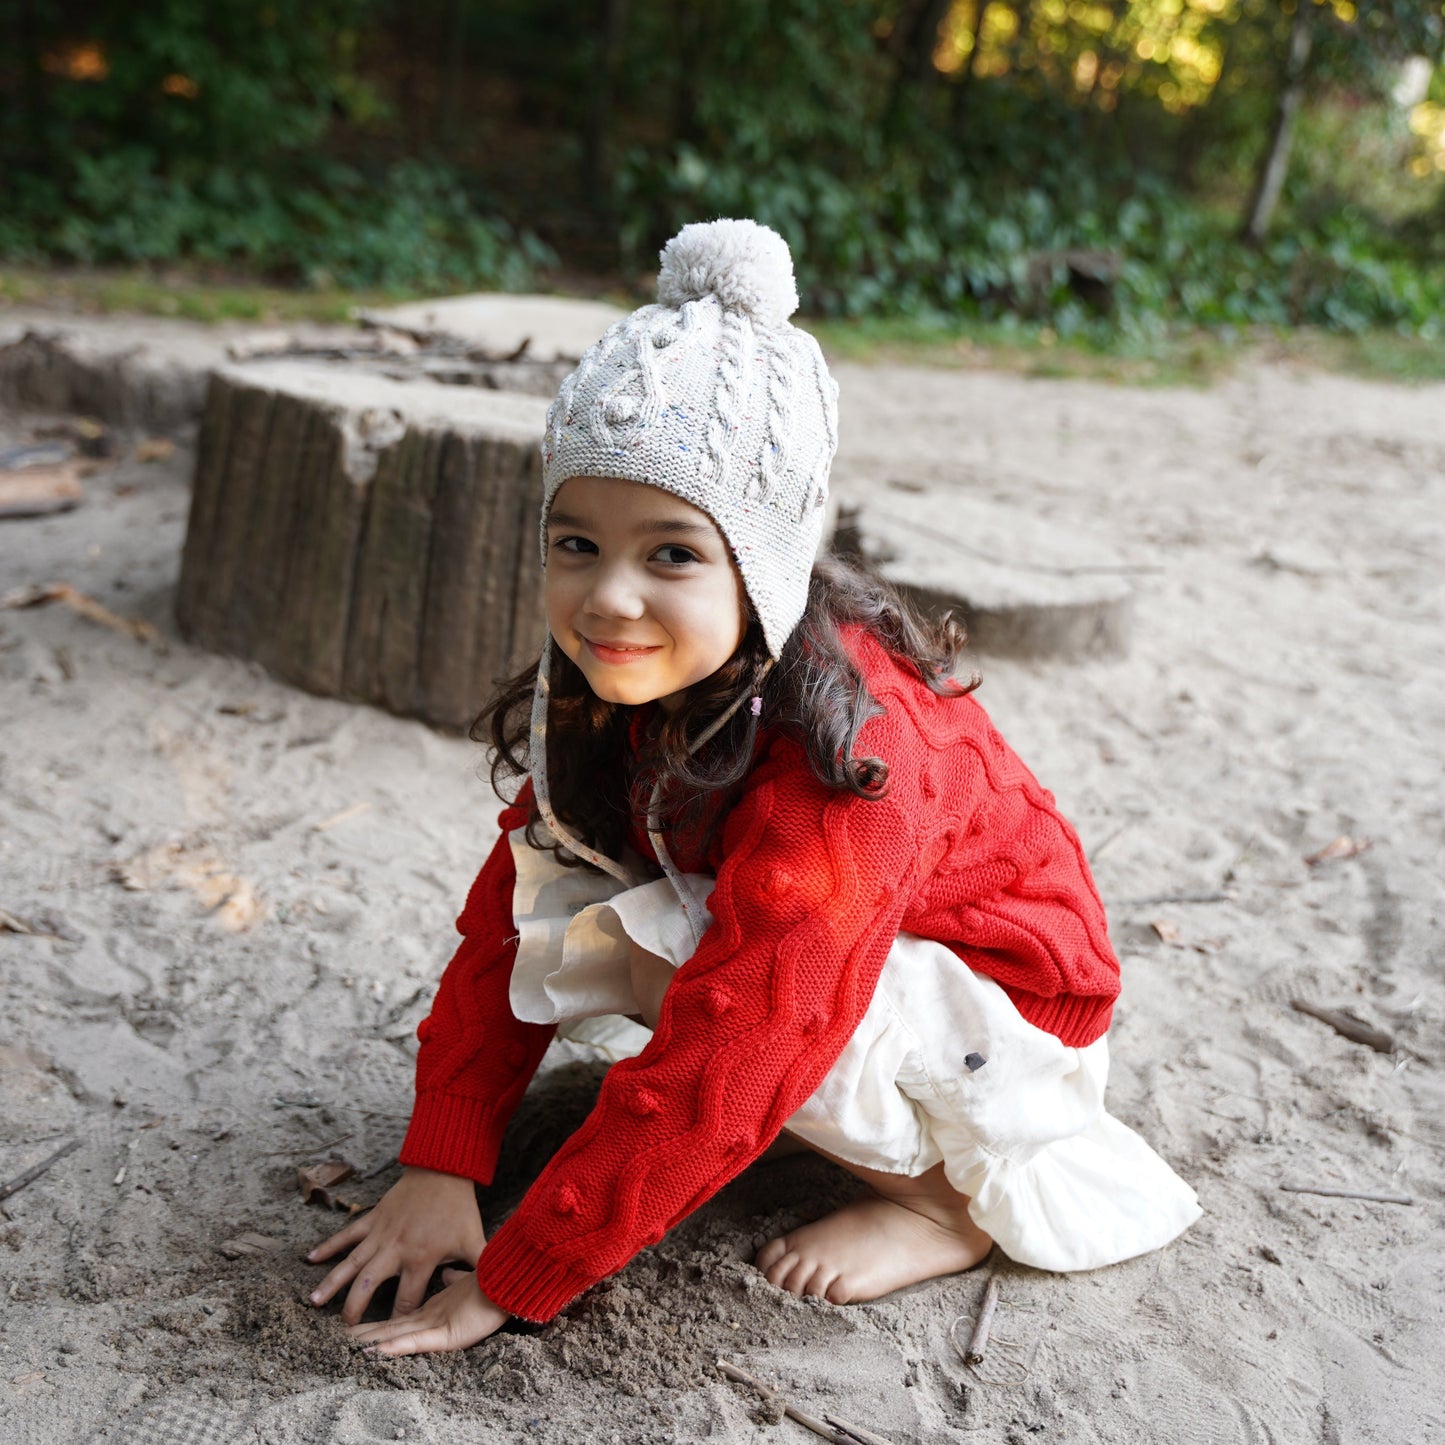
(574, 545)
(675, 556)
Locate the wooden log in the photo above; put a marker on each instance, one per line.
(364, 538)
(140, 373)
(1022, 585)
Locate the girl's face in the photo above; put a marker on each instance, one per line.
(642, 593)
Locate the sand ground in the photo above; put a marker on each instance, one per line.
(1285, 687)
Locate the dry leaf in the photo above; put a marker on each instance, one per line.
(1339, 848)
(1167, 931)
(29, 1377)
(248, 1243)
(318, 1180)
(154, 449)
(234, 900)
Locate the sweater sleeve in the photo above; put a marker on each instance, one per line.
(476, 1057)
(808, 901)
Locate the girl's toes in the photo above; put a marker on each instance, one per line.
(838, 1292)
(770, 1254)
(798, 1278)
(781, 1269)
(820, 1283)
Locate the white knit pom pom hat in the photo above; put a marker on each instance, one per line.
(710, 394)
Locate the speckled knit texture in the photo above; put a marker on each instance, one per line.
(812, 888)
(710, 394)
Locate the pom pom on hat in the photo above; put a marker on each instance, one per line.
(748, 268)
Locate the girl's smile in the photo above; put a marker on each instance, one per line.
(618, 653)
(641, 590)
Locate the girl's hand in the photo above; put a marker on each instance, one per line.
(460, 1315)
(423, 1220)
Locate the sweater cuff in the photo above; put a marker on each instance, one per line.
(525, 1281)
(453, 1134)
(1076, 1020)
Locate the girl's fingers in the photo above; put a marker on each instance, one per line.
(340, 1276)
(342, 1239)
(375, 1273)
(410, 1292)
(382, 1331)
(422, 1343)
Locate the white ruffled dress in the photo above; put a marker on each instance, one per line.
(942, 1068)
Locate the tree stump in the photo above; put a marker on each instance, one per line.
(367, 539)
(1022, 586)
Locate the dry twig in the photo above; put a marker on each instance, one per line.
(328, 823)
(855, 1432)
(34, 1173)
(1338, 849)
(47, 592)
(1331, 1193)
(978, 1340)
(834, 1430)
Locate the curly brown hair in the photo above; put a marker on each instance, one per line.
(815, 693)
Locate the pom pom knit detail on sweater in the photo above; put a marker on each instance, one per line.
(812, 888)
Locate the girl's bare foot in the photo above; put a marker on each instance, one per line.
(909, 1230)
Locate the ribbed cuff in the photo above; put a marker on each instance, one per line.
(522, 1280)
(453, 1134)
(1075, 1020)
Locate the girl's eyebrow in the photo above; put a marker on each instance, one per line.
(653, 527)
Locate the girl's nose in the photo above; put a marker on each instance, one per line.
(614, 593)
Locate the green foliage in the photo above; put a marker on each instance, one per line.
(201, 138)
(411, 227)
(928, 245)
(1082, 167)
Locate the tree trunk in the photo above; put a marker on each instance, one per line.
(1275, 165)
(368, 539)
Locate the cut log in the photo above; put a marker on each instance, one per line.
(147, 374)
(1023, 586)
(364, 538)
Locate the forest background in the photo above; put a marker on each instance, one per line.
(1086, 169)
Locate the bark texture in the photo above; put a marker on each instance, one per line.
(366, 539)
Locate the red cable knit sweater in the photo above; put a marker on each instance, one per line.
(812, 888)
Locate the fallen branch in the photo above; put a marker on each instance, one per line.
(1330, 1193)
(836, 1431)
(31, 1175)
(47, 592)
(1346, 1024)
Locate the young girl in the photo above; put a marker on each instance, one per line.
(761, 819)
